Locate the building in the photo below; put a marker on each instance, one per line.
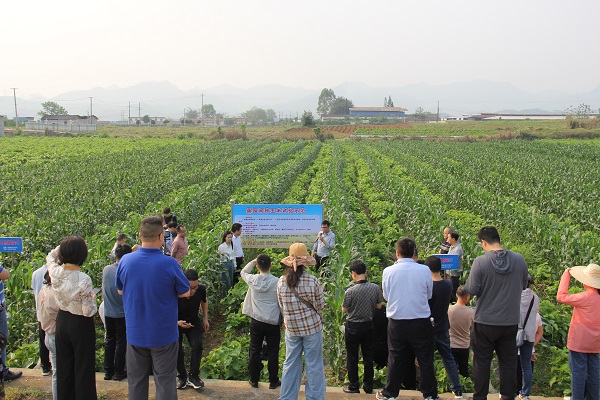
(512, 117)
(390, 112)
(69, 119)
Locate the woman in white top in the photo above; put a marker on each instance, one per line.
(75, 333)
(227, 258)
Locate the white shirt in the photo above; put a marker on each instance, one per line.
(237, 245)
(37, 281)
(226, 253)
(324, 249)
(407, 287)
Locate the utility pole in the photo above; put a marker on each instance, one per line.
(202, 99)
(91, 110)
(140, 113)
(14, 89)
(129, 116)
(438, 111)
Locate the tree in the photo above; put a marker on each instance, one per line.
(271, 115)
(208, 111)
(319, 135)
(259, 115)
(307, 118)
(52, 108)
(420, 113)
(581, 111)
(146, 119)
(389, 103)
(326, 97)
(190, 113)
(340, 106)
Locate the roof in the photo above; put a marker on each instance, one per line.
(379, 109)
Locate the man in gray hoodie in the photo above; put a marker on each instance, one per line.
(497, 279)
(263, 309)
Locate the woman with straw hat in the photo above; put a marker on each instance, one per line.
(300, 297)
(583, 340)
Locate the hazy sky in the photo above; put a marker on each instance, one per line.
(56, 46)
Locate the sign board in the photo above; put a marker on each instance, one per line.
(449, 261)
(11, 245)
(278, 225)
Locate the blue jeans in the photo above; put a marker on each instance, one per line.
(312, 346)
(227, 269)
(50, 342)
(442, 343)
(4, 330)
(525, 358)
(585, 375)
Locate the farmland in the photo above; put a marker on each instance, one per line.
(542, 195)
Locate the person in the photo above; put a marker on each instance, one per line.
(407, 287)
(170, 236)
(440, 299)
(190, 326)
(360, 302)
(227, 258)
(37, 282)
(180, 245)
(539, 333)
(6, 374)
(168, 217)
(325, 241)
(497, 279)
(583, 340)
(115, 338)
(460, 317)
(150, 284)
(47, 310)
(455, 248)
(121, 240)
(301, 299)
(75, 332)
(236, 230)
(445, 246)
(261, 305)
(530, 305)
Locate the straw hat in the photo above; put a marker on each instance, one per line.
(298, 255)
(589, 275)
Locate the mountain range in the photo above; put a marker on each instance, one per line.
(165, 99)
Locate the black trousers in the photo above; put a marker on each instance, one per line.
(195, 338)
(404, 336)
(320, 261)
(455, 285)
(75, 357)
(485, 339)
(44, 352)
(260, 331)
(461, 356)
(359, 335)
(115, 346)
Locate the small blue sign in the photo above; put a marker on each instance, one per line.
(449, 261)
(11, 245)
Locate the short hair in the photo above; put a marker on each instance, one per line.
(489, 234)
(179, 228)
(151, 227)
(121, 250)
(462, 292)
(121, 236)
(73, 250)
(434, 263)
(172, 224)
(326, 223)
(167, 210)
(236, 227)
(191, 274)
(406, 247)
(358, 266)
(263, 261)
(454, 235)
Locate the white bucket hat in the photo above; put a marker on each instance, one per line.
(589, 275)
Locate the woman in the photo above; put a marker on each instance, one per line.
(300, 297)
(583, 340)
(47, 310)
(75, 334)
(530, 304)
(227, 258)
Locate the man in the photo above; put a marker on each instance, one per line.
(445, 246)
(497, 279)
(321, 249)
(455, 248)
(151, 283)
(37, 282)
(121, 240)
(407, 287)
(170, 235)
(236, 230)
(360, 303)
(168, 217)
(261, 305)
(460, 317)
(180, 245)
(190, 326)
(440, 299)
(115, 340)
(5, 373)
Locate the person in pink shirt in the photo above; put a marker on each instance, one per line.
(180, 246)
(583, 340)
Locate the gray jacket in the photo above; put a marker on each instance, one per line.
(497, 279)
(261, 299)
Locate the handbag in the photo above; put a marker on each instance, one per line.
(521, 331)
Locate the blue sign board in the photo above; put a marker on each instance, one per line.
(449, 261)
(11, 245)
